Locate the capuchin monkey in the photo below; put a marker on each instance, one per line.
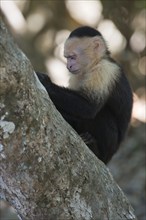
(98, 100)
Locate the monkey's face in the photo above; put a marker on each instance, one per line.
(76, 55)
(83, 53)
(72, 63)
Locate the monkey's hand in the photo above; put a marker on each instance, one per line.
(90, 141)
(87, 138)
(44, 78)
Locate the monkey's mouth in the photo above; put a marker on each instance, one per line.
(74, 71)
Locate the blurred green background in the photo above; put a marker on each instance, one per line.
(40, 29)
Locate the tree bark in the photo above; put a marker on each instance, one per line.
(47, 172)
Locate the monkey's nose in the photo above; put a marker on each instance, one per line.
(69, 66)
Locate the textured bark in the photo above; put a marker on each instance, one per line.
(47, 171)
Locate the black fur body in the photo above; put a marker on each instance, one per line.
(108, 127)
(101, 122)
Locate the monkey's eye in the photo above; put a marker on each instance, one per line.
(72, 57)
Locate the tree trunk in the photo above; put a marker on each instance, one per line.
(47, 171)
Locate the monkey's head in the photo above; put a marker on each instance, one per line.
(83, 49)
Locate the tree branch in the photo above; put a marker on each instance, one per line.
(47, 171)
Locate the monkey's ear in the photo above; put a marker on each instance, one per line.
(96, 42)
(98, 45)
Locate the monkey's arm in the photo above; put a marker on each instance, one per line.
(69, 102)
